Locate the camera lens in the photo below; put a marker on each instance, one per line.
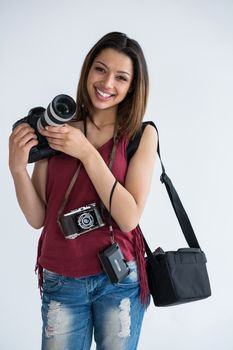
(63, 106)
(60, 110)
(85, 221)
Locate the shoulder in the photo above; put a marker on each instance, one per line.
(149, 135)
(147, 147)
(146, 135)
(39, 178)
(140, 168)
(40, 165)
(144, 141)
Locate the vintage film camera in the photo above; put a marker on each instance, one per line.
(60, 110)
(81, 220)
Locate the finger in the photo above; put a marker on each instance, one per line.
(26, 139)
(21, 127)
(16, 137)
(25, 132)
(57, 129)
(57, 147)
(55, 141)
(30, 144)
(49, 134)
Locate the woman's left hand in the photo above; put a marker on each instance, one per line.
(67, 139)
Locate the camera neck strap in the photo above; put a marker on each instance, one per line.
(66, 196)
(75, 176)
(111, 160)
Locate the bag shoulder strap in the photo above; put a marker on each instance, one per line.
(180, 212)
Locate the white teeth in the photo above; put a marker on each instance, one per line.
(103, 93)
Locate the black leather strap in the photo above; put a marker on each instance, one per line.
(180, 212)
(110, 217)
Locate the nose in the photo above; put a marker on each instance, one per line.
(107, 82)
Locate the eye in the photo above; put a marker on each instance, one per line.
(99, 69)
(121, 77)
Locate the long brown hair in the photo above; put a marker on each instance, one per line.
(132, 109)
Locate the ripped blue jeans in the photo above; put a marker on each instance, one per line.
(72, 308)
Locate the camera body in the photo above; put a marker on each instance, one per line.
(60, 110)
(80, 221)
(42, 150)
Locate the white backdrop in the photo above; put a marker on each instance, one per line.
(188, 47)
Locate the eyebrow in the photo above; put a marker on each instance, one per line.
(119, 71)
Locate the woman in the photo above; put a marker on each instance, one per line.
(77, 295)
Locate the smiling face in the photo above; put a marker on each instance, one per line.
(109, 79)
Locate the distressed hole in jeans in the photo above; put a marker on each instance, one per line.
(54, 319)
(125, 319)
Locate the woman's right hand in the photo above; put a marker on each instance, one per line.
(22, 139)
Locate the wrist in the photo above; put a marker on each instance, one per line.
(90, 151)
(16, 172)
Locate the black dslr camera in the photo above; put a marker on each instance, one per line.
(60, 110)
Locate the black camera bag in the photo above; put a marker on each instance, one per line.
(174, 277)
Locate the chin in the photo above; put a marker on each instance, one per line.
(103, 105)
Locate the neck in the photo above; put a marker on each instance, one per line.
(102, 118)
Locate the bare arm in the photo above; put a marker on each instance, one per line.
(28, 192)
(128, 201)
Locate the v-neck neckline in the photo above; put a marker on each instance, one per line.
(104, 144)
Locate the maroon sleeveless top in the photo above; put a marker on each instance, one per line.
(79, 257)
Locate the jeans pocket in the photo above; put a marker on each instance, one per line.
(132, 279)
(52, 281)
